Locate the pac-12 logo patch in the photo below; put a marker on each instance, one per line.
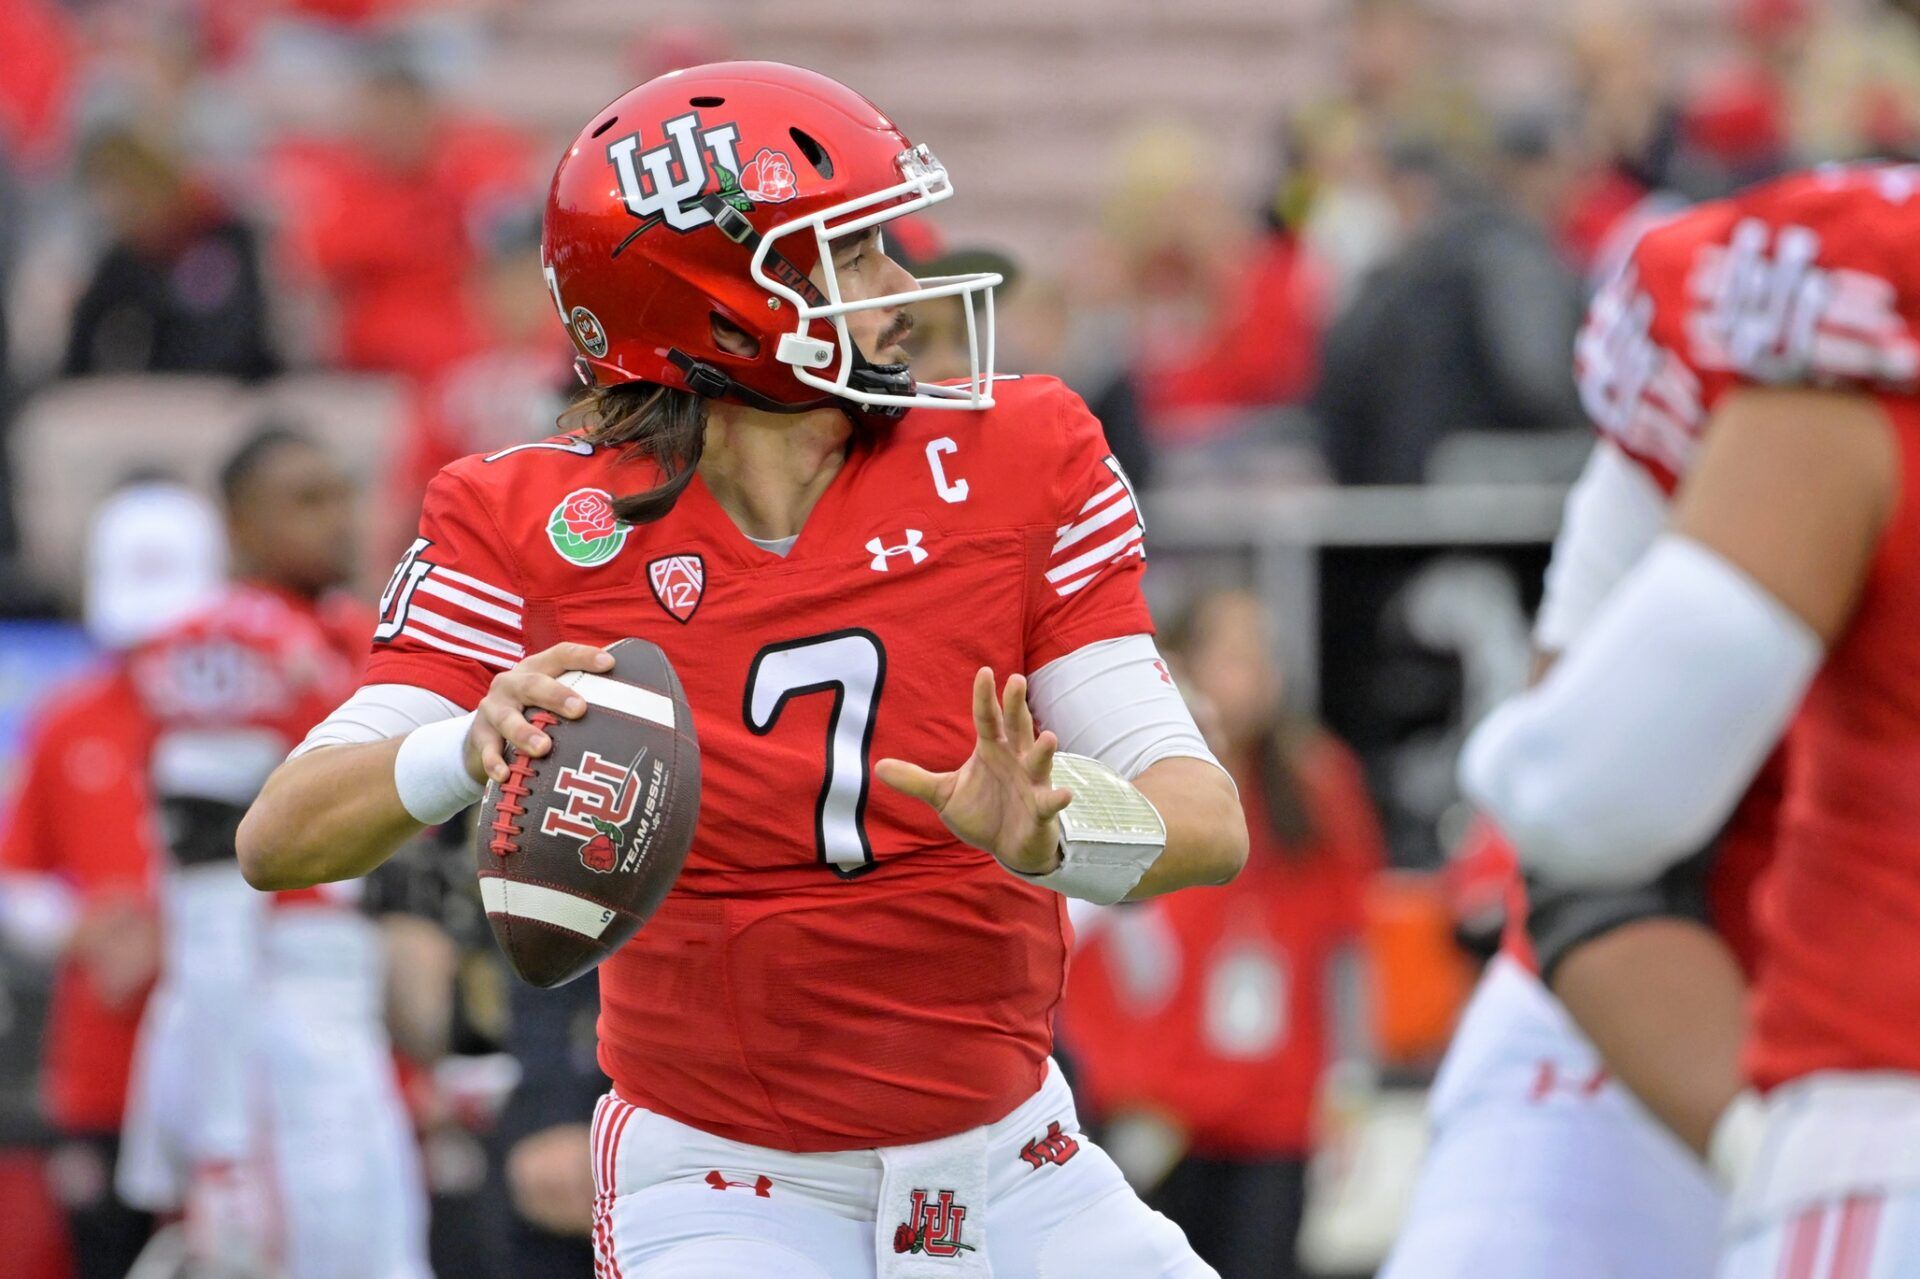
(584, 530)
(586, 326)
(678, 581)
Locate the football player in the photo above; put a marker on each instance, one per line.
(1779, 326)
(1540, 1159)
(265, 1105)
(829, 1047)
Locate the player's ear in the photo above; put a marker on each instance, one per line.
(731, 338)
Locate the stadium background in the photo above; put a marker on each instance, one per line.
(1316, 264)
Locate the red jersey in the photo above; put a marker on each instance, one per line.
(1211, 1006)
(833, 969)
(259, 667)
(1811, 280)
(81, 812)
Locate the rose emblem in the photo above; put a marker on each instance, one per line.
(768, 178)
(598, 854)
(588, 514)
(584, 529)
(903, 1238)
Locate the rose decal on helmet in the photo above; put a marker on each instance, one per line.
(768, 178)
(584, 529)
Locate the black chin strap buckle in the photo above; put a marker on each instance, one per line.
(706, 381)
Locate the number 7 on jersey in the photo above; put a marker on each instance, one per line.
(852, 666)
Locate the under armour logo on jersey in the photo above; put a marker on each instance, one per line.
(881, 552)
(664, 183)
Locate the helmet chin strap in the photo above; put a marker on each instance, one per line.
(712, 382)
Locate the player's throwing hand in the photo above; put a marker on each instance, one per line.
(532, 685)
(1002, 799)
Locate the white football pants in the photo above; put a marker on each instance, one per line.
(1542, 1168)
(326, 1169)
(677, 1203)
(1834, 1192)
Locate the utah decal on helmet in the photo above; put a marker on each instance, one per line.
(719, 191)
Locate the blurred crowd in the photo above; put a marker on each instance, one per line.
(258, 191)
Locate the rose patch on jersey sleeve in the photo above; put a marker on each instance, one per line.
(584, 530)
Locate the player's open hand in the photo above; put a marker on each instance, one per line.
(534, 685)
(1002, 799)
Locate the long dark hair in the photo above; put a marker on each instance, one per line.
(1278, 754)
(644, 419)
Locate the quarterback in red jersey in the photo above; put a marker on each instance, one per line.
(1785, 320)
(831, 1044)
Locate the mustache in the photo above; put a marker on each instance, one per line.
(896, 332)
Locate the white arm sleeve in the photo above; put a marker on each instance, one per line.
(1114, 701)
(1638, 744)
(379, 711)
(1614, 511)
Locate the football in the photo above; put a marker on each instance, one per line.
(576, 849)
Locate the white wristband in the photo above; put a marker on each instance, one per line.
(1109, 835)
(430, 772)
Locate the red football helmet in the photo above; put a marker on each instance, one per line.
(718, 190)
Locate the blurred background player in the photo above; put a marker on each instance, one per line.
(266, 1108)
(1259, 989)
(1789, 570)
(79, 856)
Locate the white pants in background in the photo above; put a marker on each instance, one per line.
(320, 1154)
(1542, 1168)
(677, 1203)
(1835, 1190)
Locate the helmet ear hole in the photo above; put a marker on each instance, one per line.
(731, 338)
(815, 153)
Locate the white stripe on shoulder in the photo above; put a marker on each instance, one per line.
(1098, 555)
(432, 585)
(1086, 528)
(641, 703)
(448, 646)
(478, 585)
(461, 631)
(1101, 496)
(547, 905)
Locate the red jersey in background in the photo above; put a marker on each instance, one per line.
(82, 811)
(258, 663)
(391, 245)
(1810, 280)
(1211, 1006)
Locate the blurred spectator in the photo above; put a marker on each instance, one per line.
(1855, 91)
(549, 1165)
(179, 289)
(1222, 315)
(1206, 1023)
(78, 863)
(509, 390)
(384, 224)
(1467, 326)
(39, 61)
